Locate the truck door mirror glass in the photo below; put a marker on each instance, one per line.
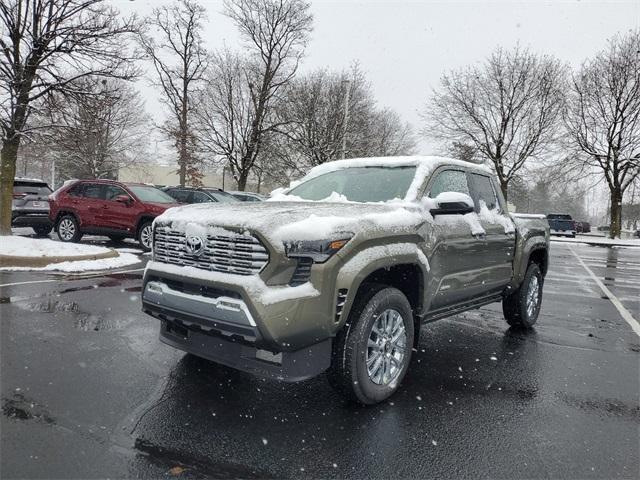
(452, 203)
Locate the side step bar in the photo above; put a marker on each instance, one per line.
(447, 312)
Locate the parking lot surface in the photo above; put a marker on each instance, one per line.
(88, 391)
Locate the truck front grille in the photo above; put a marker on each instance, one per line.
(239, 254)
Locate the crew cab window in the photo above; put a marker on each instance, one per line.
(92, 190)
(199, 197)
(449, 181)
(112, 191)
(483, 191)
(181, 196)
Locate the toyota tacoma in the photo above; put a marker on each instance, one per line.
(338, 273)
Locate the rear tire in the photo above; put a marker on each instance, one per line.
(371, 354)
(42, 230)
(522, 307)
(68, 229)
(145, 235)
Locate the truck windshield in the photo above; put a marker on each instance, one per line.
(358, 184)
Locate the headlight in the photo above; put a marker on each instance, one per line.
(318, 250)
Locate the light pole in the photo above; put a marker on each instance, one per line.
(347, 84)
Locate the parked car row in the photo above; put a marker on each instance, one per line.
(114, 209)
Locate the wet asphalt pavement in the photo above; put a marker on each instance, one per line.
(88, 391)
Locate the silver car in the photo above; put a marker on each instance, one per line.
(30, 207)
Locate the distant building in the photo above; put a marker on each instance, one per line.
(168, 175)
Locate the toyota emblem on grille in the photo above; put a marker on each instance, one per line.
(195, 245)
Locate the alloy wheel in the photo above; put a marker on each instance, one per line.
(386, 347)
(66, 229)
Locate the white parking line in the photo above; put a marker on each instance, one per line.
(633, 323)
(76, 276)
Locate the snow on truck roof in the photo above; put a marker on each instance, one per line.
(425, 165)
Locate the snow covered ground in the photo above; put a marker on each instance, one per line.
(40, 249)
(123, 260)
(596, 240)
(19, 246)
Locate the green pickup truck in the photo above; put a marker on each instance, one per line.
(338, 273)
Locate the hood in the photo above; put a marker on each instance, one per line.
(291, 221)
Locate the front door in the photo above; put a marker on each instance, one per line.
(456, 247)
(117, 215)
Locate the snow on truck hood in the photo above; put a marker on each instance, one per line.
(290, 221)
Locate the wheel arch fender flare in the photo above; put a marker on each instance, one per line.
(355, 271)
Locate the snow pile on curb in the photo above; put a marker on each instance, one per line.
(593, 240)
(16, 246)
(122, 260)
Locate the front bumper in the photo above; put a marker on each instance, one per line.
(287, 366)
(290, 339)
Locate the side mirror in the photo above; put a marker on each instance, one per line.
(126, 199)
(452, 203)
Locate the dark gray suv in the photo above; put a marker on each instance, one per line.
(30, 207)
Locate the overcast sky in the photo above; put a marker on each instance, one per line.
(405, 46)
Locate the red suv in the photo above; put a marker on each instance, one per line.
(105, 207)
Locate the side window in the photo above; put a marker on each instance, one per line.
(112, 191)
(76, 190)
(449, 181)
(200, 197)
(181, 196)
(93, 190)
(483, 191)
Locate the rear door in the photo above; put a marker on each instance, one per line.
(86, 200)
(456, 253)
(499, 230)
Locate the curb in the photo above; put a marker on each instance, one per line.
(39, 262)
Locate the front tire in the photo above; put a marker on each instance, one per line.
(522, 307)
(371, 354)
(145, 236)
(68, 229)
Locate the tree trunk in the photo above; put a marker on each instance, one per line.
(504, 186)
(616, 212)
(182, 155)
(242, 180)
(8, 157)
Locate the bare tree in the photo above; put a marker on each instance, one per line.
(313, 120)
(173, 41)
(98, 132)
(46, 45)
(508, 108)
(603, 118)
(237, 107)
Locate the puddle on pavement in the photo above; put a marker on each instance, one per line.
(184, 462)
(18, 407)
(602, 406)
(97, 323)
